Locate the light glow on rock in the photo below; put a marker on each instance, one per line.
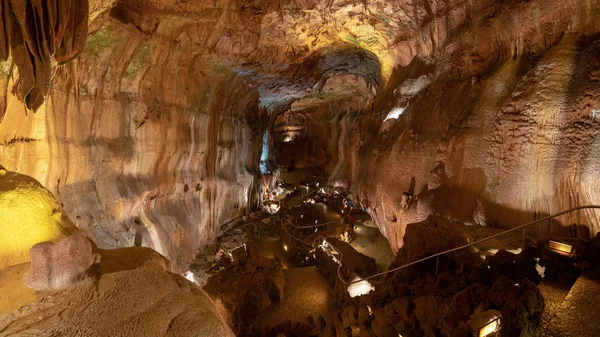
(264, 153)
(490, 328)
(395, 113)
(29, 214)
(360, 288)
(189, 276)
(540, 270)
(271, 207)
(559, 247)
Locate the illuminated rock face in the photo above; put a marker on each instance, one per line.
(141, 147)
(516, 144)
(154, 135)
(29, 215)
(498, 126)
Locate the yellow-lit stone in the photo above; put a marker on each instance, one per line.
(13, 292)
(29, 214)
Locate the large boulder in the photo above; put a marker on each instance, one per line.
(56, 266)
(521, 306)
(29, 214)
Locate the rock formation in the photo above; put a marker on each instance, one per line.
(29, 214)
(34, 33)
(160, 124)
(132, 296)
(55, 266)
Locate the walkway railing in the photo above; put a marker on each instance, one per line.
(291, 236)
(437, 255)
(304, 197)
(318, 224)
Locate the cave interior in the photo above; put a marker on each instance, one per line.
(273, 168)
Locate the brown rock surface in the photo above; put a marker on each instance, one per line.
(478, 112)
(140, 301)
(55, 266)
(246, 287)
(34, 31)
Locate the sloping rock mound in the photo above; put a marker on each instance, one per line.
(362, 265)
(58, 266)
(140, 300)
(29, 214)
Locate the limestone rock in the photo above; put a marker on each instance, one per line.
(34, 31)
(429, 311)
(55, 266)
(130, 258)
(464, 303)
(29, 214)
(521, 306)
(113, 305)
(349, 316)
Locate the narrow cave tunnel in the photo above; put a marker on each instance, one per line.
(299, 168)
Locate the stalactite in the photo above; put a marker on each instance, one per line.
(34, 32)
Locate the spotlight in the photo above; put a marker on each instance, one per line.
(560, 248)
(485, 324)
(285, 248)
(490, 328)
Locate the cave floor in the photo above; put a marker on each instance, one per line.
(294, 177)
(13, 292)
(578, 314)
(306, 294)
(369, 241)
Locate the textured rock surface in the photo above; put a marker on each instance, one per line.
(55, 266)
(246, 287)
(36, 33)
(518, 143)
(417, 301)
(139, 149)
(141, 299)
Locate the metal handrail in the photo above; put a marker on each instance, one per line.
(318, 225)
(293, 237)
(309, 194)
(437, 255)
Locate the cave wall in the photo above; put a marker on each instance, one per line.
(513, 127)
(499, 121)
(143, 142)
(153, 136)
(516, 145)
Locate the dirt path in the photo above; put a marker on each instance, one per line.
(306, 294)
